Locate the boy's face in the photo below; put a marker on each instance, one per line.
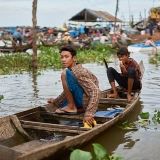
(123, 57)
(67, 60)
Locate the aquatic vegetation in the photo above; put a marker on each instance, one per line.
(155, 60)
(49, 57)
(145, 121)
(99, 153)
(1, 97)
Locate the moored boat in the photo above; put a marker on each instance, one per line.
(18, 48)
(40, 133)
(141, 47)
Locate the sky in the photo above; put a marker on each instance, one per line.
(53, 13)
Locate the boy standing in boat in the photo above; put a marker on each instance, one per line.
(81, 90)
(129, 79)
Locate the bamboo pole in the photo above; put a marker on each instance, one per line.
(34, 20)
(117, 5)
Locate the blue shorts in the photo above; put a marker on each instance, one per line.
(75, 89)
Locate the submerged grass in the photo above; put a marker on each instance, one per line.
(49, 57)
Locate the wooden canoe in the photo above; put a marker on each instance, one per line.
(18, 48)
(46, 44)
(40, 134)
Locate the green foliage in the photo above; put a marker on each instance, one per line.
(155, 60)
(145, 121)
(144, 115)
(80, 155)
(127, 126)
(49, 57)
(100, 153)
(1, 97)
(156, 117)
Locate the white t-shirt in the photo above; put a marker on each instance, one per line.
(102, 39)
(59, 35)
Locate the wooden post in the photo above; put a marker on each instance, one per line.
(116, 15)
(34, 55)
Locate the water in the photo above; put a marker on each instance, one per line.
(26, 91)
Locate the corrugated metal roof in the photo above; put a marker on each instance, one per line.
(88, 15)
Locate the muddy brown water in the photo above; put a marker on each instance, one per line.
(25, 91)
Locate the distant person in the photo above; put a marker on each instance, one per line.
(67, 38)
(90, 31)
(103, 39)
(86, 30)
(151, 28)
(130, 76)
(150, 42)
(81, 29)
(17, 36)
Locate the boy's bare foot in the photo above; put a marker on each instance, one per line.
(67, 108)
(129, 97)
(112, 95)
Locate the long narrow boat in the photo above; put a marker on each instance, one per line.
(41, 134)
(19, 48)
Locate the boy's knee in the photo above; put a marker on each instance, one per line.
(110, 69)
(131, 72)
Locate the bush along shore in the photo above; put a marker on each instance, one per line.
(49, 58)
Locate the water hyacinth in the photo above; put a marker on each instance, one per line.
(49, 58)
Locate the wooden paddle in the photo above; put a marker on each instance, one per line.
(105, 62)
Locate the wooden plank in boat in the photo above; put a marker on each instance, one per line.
(75, 118)
(114, 101)
(52, 129)
(60, 126)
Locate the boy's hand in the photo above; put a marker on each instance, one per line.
(51, 100)
(123, 68)
(88, 120)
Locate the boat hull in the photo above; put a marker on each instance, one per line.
(142, 48)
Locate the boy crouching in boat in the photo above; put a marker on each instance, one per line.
(129, 79)
(81, 90)
(150, 42)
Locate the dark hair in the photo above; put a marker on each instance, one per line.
(70, 49)
(123, 51)
(149, 38)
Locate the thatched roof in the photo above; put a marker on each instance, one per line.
(88, 15)
(156, 9)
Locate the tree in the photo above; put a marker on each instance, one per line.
(34, 20)
(117, 6)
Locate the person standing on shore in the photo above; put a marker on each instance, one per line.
(151, 28)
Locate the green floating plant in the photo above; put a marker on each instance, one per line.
(100, 153)
(128, 126)
(145, 121)
(1, 97)
(49, 58)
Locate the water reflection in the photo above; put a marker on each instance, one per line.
(35, 84)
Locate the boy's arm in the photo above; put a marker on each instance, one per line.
(92, 91)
